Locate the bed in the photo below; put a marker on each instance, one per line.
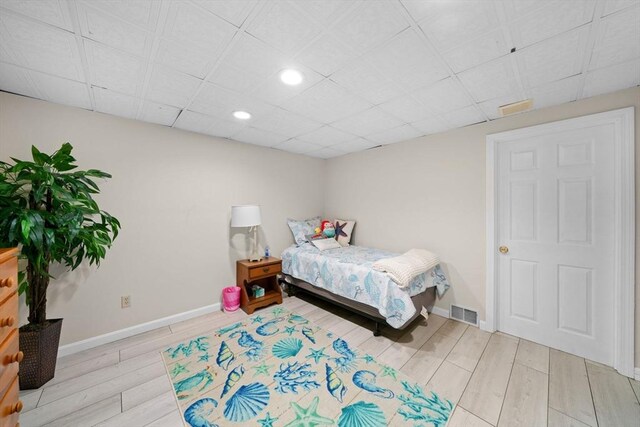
(345, 277)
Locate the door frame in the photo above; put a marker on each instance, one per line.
(624, 257)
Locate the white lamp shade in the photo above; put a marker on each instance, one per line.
(245, 216)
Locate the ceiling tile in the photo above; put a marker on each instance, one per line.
(235, 11)
(101, 27)
(618, 39)
(451, 23)
(41, 47)
(370, 24)
(398, 134)
(554, 18)
(284, 27)
(464, 117)
(354, 145)
(365, 81)
(184, 58)
(273, 91)
(297, 146)
(490, 80)
(113, 69)
(54, 12)
(225, 128)
(610, 79)
(325, 153)
(554, 58)
(141, 13)
(254, 56)
(61, 91)
(444, 96)
(431, 125)
(188, 24)
(115, 103)
(327, 12)
(285, 123)
(153, 112)
(16, 80)
(481, 49)
(368, 122)
(259, 137)
(235, 79)
(222, 103)
(171, 87)
(326, 136)
(326, 102)
(326, 55)
(611, 6)
(408, 61)
(556, 93)
(490, 107)
(194, 122)
(406, 108)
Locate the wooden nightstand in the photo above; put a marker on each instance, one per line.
(262, 273)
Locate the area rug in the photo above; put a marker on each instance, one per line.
(277, 369)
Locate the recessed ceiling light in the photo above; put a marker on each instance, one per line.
(242, 115)
(291, 77)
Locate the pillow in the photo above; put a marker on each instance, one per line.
(344, 229)
(300, 228)
(326, 243)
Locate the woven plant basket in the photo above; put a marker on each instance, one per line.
(40, 348)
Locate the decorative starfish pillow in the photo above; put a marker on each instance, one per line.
(344, 229)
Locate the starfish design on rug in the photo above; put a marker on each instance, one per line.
(257, 319)
(317, 354)
(267, 421)
(277, 311)
(340, 229)
(290, 329)
(262, 368)
(368, 358)
(178, 369)
(308, 417)
(329, 334)
(388, 371)
(204, 357)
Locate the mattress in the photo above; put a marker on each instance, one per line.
(348, 272)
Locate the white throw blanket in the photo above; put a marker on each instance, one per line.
(402, 269)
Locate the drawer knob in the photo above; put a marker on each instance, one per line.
(7, 321)
(6, 283)
(266, 269)
(16, 407)
(15, 357)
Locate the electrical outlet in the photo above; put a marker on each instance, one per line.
(125, 301)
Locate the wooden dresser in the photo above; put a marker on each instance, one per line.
(10, 355)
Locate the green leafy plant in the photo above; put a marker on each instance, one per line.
(47, 208)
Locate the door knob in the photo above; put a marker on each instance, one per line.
(503, 249)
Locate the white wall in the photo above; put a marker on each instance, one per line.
(430, 193)
(172, 191)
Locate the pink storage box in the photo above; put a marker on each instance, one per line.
(231, 298)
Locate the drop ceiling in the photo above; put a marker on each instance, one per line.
(375, 72)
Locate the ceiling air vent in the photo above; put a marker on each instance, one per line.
(465, 315)
(516, 107)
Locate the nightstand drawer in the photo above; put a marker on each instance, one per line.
(267, 270)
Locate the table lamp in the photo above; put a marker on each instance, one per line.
(248, 216)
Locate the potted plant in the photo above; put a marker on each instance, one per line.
(47, 209)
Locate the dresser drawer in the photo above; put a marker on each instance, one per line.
(8, 278)
(10, 405)
(8, 320)
(9, 359)
(265, 270)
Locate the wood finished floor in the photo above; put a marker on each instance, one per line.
(495, 379)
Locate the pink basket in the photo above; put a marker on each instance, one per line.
(231, 298)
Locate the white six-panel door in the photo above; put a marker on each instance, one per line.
(556, 214)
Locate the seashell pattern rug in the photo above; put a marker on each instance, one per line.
(276, 369)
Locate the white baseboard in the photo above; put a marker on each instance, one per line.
(440, 311)
(88, 343)
(636, 374)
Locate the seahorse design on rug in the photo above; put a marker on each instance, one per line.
(255, 348)
(366, 380)
(347, 358)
